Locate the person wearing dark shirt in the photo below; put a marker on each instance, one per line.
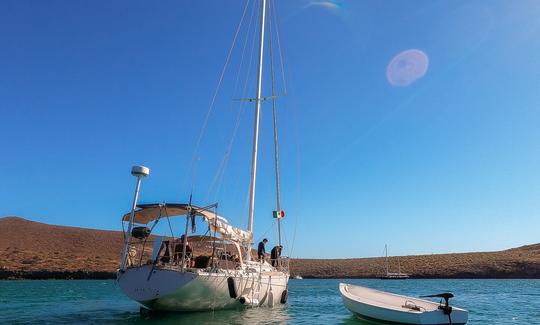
(261, 250)
(275, 254)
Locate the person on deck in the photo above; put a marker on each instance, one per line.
(275, 254)
(261, 249)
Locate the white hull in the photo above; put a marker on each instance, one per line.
(198, 290)
(383, 306)
(231, 279)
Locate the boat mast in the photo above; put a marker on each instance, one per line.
(276, 145)
(258, 100)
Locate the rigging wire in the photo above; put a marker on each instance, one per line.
(273, 22)
(212, 102)
(274, 11)
(274, 114)
(246, 200)
(218, 177)
(295, 118)
(271, 227)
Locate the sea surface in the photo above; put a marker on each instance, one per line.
(310, 302)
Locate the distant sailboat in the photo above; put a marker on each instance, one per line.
(392, 275)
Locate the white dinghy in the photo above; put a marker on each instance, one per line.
(383, 306)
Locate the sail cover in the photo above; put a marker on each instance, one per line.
(146, 213)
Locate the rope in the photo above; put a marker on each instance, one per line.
(212, 102)
(274, 114)
(214, 237)
(213, 252)
(272, 15)
(266, 231)
(169, 222)
(294, 113)
(274, 11)
(218, 177)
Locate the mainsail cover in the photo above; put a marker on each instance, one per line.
(146, 213)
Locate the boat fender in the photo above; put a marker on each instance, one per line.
(270, 293)
(232, 288)
(284, 296)
(270, 298)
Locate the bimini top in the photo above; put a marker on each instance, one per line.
(146, 213)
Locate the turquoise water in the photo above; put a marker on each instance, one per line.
(310, 302)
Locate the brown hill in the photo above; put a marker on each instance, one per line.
(35, 250)
(522, 262)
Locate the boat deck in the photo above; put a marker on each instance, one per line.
(389, 300)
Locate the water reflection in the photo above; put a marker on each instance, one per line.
(310, 302)
(276, 315)
(357, 321)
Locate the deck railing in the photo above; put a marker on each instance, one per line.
(203, 255)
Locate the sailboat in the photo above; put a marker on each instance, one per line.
(207, 272)
(392, 275)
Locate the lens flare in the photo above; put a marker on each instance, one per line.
(407, 67)
(327, 4)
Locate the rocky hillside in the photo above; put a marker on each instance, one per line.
(35, 250)
(522, 262)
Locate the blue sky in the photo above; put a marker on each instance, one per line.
(448, 163)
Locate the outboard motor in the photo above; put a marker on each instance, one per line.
(446, 308)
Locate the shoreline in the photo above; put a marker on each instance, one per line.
(104, 275)
(56, 275)
(33, 250)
